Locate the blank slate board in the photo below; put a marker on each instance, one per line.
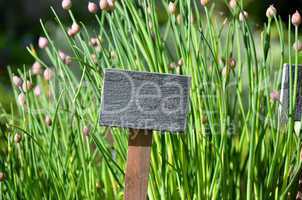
(284, 107)
(143, 100)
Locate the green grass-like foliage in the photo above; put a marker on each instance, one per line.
(233, 148)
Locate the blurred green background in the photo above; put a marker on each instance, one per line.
(20, 27)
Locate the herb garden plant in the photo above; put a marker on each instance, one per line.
(234, 146)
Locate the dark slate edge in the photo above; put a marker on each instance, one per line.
(101, 123)
(284, 94)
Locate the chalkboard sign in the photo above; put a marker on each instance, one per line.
(284, 107)
(142, 100)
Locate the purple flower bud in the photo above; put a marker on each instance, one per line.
(75, 27)
(296, 18)
(17, 81)
(37, 91)
(48, 74)
(104, 5)
(92, 7)
(62, 55)
(66, 4)
(36, 68)
(43, 42)
(18, 138)
(275, 96)
(86, 131)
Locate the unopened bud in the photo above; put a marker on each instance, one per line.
(296, 18)
(18, 138)
(48, 120)
(36, 68)
(17, 81)
(43, 42)
(271, 11)
(92, 7)
(66, 4)
(48, 74)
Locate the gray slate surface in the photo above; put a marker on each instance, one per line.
(285, 93)
(143, 100)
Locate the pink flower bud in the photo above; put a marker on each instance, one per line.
(297, 46)
(75, 28)
(2, 177)
(26, 86)
(48, 120)
(94, 42)
(67, 60)
(66, 4)
(271, 11)
(243, 16)
(104, 5)
(86, 131)
(232, 63)
(92, 7)
(36, 68)
(18, 138)
(43, 42)
(172, 65)
(204, 2)
(62, 55)
(180, 62)
(275, 96)
(233, 4)
(17, 81)
(172, 8)
(22, 99)
(296, 18)
(111, 4)
(37, 91)
(70, 32)
(48, 74)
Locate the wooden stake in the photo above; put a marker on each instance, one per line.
(138, 164)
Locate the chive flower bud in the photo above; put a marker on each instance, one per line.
(22, 99)
(104, 5)
(172, 8)
(66, 4)
(36, 68)
(275, 96)
(27, 85)
(271, 11)
(297, 46)
(37, 91)
(296, 18)
(2, 176)
(17, 81)
(92, 7)
(86, 131)
(243, 16)
(43, 42)
(232, 63)
(62, 55)
(233, 4)
(48, 120)
(48, 74)
(180, 62)
(18, 138)
(204, 2)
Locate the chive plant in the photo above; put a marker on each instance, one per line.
(234, 146)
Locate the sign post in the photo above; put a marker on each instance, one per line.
(143, 102)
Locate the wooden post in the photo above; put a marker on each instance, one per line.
(143, 102)
(138, 164)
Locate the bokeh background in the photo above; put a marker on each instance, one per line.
(20, 27)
